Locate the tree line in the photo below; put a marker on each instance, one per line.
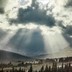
(54, 68)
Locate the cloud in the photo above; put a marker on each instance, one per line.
(68, 34)
(40, 14)
(62, 14)
(68, 39)
(69, 30)
(34, 15)
(68, 4)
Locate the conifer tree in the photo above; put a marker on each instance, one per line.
(31, 69)
(46, 69)
(42, 69)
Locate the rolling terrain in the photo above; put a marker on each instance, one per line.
(10, 56)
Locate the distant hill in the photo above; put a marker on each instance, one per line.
(10, 56)
(67, 52)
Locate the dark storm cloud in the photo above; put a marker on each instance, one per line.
(68, 39)
(69, 3)
(30, 46)
(68, 34)
(60, 24)
(68, 30)
(34, 15)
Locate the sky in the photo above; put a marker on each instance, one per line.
(36, 27)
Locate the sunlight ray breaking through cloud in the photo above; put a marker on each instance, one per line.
(54, 41)
(5, 41)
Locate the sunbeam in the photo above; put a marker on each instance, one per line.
(5, 40)
(54, 42)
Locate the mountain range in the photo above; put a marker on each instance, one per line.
(10, 56)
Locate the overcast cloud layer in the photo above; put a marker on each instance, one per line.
(35, 27)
